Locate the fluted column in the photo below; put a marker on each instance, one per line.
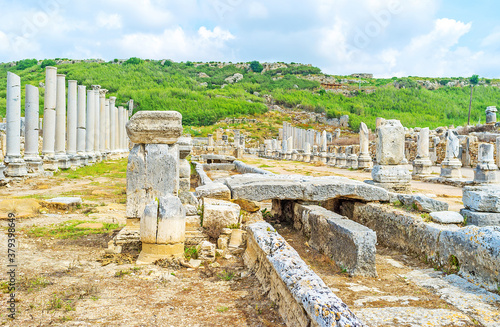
(119, 130)
(34, 163)
(72, 121)
(97, 118)
(112, 124)
(90, 124)
(49, 119)
(81, 123)
(106, 127)
(16, 166)
(60, 141)
(102, 121)
(130, 107)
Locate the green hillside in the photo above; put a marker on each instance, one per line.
(195, 90)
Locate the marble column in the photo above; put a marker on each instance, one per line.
(422, 163)
(97, 121)
(112, 124)
(125, 136)
(60, 141)
(16, 166)
(289, 148)
(390, 172)
(491, 115)
(90, 125)
(106, 127)
(130, 107)
(49, 119)
(119, 130)
(497, 146)
(364, 159)
(33, 161)
(450, 167)
(81, 125)
(72, 122)
(486, 172)
(102, 122)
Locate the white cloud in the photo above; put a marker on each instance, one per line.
(493, 39)
(109, 21)
(177, 44)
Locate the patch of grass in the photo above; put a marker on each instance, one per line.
(33, 284)
(222, 309)
(234, 226)
(191, 253)
(397, 203)
(426, 217)
(69, 229)
(109, 169)
(226, 275)
(266, 214)
(265, 166)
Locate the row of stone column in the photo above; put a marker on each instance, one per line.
(294, 138)
(78, 129)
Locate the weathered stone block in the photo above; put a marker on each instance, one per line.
(348, 243)
(447, 217)
(155, 127)
(422, 202)
(481, 219)
(482, 198)
(303, 298)
(151, 173)
(214, 191)
(391, 174)
(219, 213)
(391, 143)
(171, 220)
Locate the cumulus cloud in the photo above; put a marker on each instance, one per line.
(109, 21)
(177, 44)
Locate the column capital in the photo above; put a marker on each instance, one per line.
(96, 87)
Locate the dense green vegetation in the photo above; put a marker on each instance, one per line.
(203, 96)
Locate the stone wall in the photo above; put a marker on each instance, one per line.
(302, 297)
(348, 243)
(475, 250)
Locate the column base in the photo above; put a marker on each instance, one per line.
(422, 167)
(450, 168)
(397, 174)
(152, 252)
(91, 159)
(50, 163)
(486, 176)
(365, 162)
(34, 165)
(16, 167)
(64, 162)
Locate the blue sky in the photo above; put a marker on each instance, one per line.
(383, 37)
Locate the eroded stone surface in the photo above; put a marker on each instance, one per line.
(303, 298)
(481, 219)
(155, 127)
(219, 213)
(447, 217)
(214, 191)
(482, 198)
(258, 187)
(422, 202)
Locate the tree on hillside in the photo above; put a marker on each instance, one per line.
(48, 62)
(473, 81)
(133, 61)
(256, 67)
(26, 63)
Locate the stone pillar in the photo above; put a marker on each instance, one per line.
(90, 125)
(112, 124)
(81, 125)
(72, 122)
(102, 122)
(486, 171)
(289, 148)
(16, 166)
(49, 119)
(130, 107)
(97, 121)
(341, 158)
(34, 163)
(210, 140)
(185, 147)
(491, 115)
(119, 130)
(107, 127)
(422, 163)
(450, 167)
(364, 159)
(389, 172)
(125, 137)
(153, 173)
(60, 140)
(497, 145)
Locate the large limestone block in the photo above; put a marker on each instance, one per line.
(152, 172)
(171, 220)
(214, 191)
(149, 223)
(256, 187)
(447, 217)
(422, 202)
(482, 198)
(391, 174)
(155, 127)
(481, 219)
(391, 143)
(219, 213)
